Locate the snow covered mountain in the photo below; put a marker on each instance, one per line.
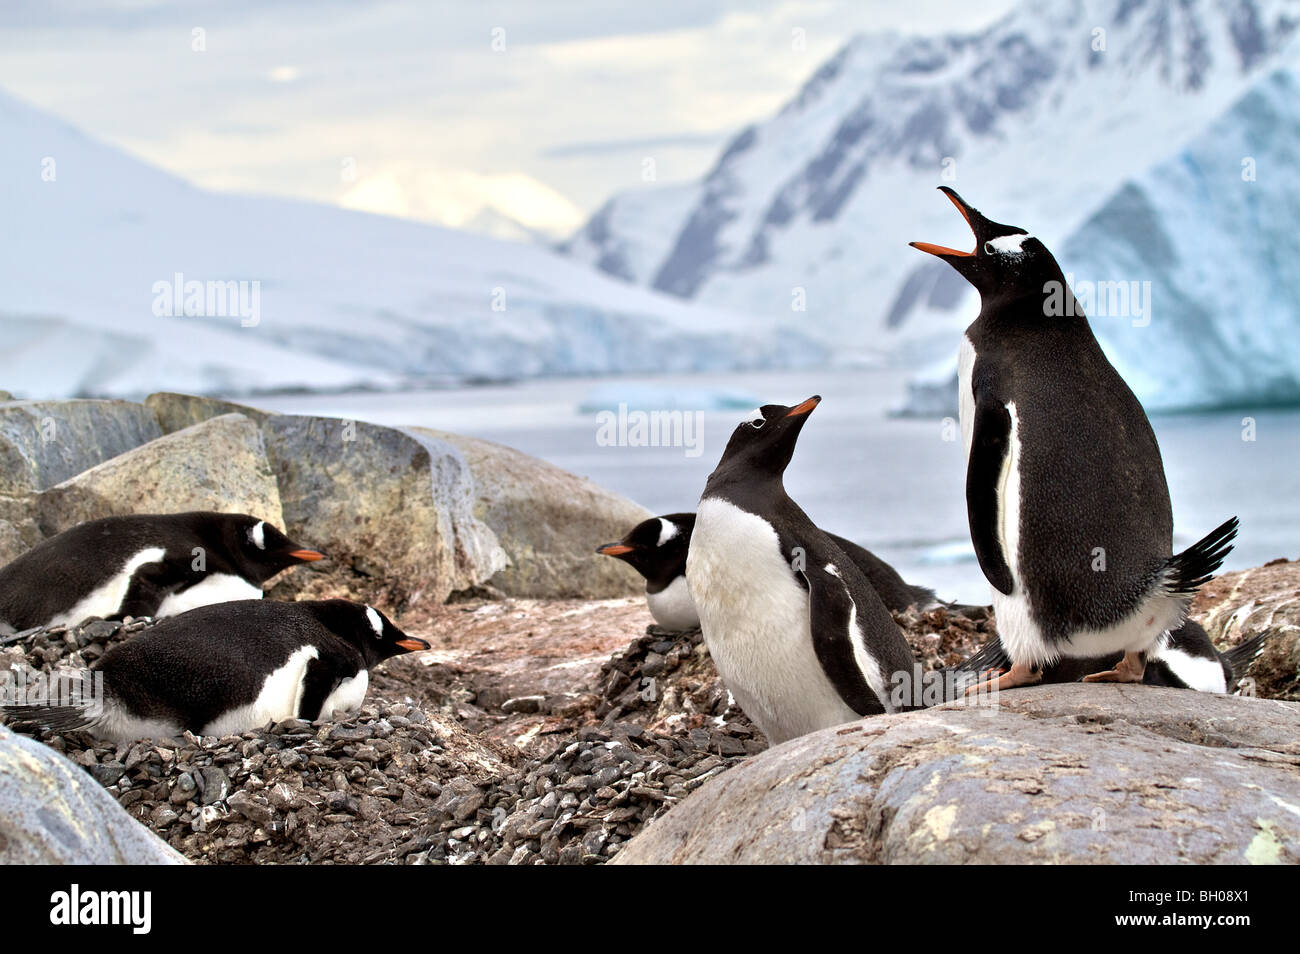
(1037, 120)
(90, 301)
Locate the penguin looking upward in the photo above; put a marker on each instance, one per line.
(799, 637)
(143, 565)
(657, 549)
(1065, 489)
(232, 667)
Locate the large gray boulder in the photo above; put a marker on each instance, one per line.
(19, 531)
(53, 813)
(45, 442)
(392, 506)
(549, 522)
(1066, 773)
(178, 411)
(432, 513)
(220, 464)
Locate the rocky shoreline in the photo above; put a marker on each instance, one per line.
(459, 756)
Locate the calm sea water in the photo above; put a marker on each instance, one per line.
(897, 486)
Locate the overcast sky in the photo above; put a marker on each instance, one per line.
(434, 109)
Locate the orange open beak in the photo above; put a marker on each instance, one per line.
(806, 407)
(307, 556)
(615, 549)
(956, 200)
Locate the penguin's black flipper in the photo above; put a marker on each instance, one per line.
(989, 448)
(150, 585)
(322, 678)
(831, 609)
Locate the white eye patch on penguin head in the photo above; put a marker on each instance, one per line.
(755, 418)
(257, 535)
(1007, 244)
(376, 621)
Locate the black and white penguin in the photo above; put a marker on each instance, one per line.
(799, 637)
(143, 565)
(657, 549)
(1065, 489)
(1186, 659)
(232, 667)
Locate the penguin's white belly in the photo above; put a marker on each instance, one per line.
(672, 607)
(213, 588)
(346, 698)
(754, 616)
(280, 698)
(965, 396)
(106, 599)
(1140, 631)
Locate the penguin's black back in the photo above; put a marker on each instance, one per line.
(192, 668)
(895, 592)
(1091, 474)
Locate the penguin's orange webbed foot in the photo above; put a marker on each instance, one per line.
(1129, 669)
(1020, 674)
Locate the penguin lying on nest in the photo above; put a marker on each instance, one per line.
(1186, 660)
(657, 548)
(229, 668)
(143, 565)
(1065, 489)
(799, 636)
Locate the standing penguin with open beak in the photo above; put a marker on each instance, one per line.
(1065, 489)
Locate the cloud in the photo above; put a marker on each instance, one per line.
(636, 144)
(458, 198)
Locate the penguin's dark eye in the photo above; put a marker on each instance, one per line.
(757, 424)
(989, 249)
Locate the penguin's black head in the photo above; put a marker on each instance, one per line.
(257, 550)
(368, 629)
(657, 547)
(764, 441)
(1007, 261)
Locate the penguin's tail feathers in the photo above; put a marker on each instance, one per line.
(1184, 573)
(1240, 657)
(29, 718)
(992, 655)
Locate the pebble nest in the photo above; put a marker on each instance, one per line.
(407, 783)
